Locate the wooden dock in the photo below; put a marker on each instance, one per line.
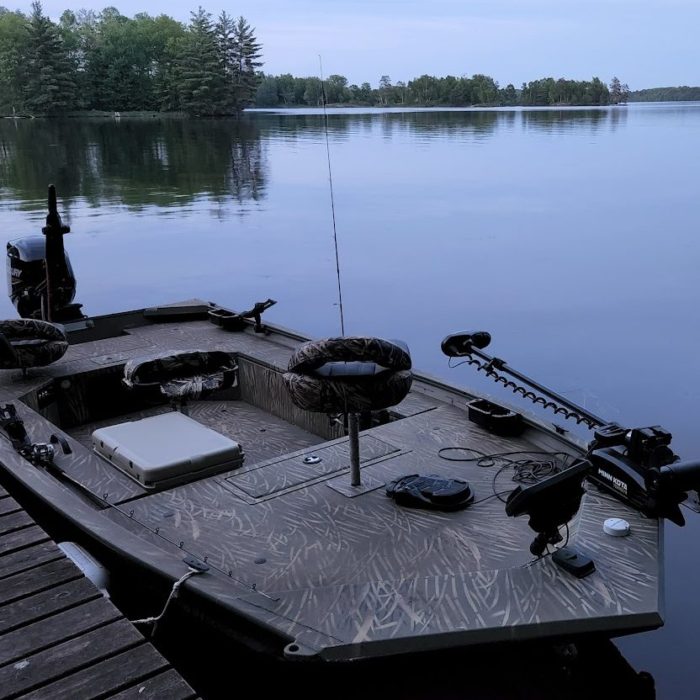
(59, 637)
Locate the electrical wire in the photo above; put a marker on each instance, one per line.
(525, 470)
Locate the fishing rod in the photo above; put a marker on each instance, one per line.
(330, 183)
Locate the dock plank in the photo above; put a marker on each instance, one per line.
(57, 628)
(165, 685)
(29, 558)
(39, 669)
(59, 637)
(108, 676)
(9, 505)
(15, 521)
(21, 538)
(33, 581)
(28, 610)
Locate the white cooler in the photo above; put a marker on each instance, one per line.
(166, 450)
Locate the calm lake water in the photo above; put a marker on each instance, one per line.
(571, 235)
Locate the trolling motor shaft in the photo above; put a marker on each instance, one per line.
(470, 344)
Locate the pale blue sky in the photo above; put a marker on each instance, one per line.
(646, 43)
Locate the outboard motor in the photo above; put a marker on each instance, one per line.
(41, 283)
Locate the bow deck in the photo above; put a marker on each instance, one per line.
(325, 571)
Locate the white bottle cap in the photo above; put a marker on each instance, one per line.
(616, 527)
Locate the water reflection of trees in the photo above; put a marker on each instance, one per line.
(133, 162)
(425, 123)
(561, 120)
(167, 163)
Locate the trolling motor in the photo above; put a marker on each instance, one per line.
(636, 465)
(41, 283)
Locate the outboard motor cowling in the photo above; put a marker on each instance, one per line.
(26, 278)
(40, 278)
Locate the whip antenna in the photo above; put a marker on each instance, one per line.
(330, 182)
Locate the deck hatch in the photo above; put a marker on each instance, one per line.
(290, 472)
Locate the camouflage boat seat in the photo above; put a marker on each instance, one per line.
(180, 376)
(349, 375)
(26, 343)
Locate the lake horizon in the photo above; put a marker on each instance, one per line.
(569, 233)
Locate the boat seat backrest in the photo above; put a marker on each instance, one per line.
(357, 368)
(188, 374)
(26, 343)
(349, 375)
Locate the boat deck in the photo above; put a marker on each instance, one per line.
(58, 636)
(293, 547)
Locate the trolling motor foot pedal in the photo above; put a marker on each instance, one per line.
(574, 562)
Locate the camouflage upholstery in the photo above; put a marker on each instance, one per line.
(28, 343)
(349, 375)
(384, 353)
(183, 375)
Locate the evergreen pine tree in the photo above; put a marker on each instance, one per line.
(200, 69)
(50, 83)
(615, 91)
(228, 55)
(13, 50)
(245, 75)
(167, 85)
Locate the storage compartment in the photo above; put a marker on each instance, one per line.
(228, 320)
(495, 418)
(166, 450)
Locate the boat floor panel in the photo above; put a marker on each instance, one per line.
(262, 435)
(366, 569)
(283, 512)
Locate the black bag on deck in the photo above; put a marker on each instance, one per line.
(431, 491)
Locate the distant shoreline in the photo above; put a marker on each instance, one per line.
(148, 115)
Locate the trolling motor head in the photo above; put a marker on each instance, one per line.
(461, 344)
(41, 282)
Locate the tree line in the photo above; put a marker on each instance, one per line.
(106, 61)
(666, 94)
(429, 91)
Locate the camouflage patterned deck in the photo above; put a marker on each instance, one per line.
(322, 572)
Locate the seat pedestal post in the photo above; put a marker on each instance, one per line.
(354, 435)
(180, 405)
